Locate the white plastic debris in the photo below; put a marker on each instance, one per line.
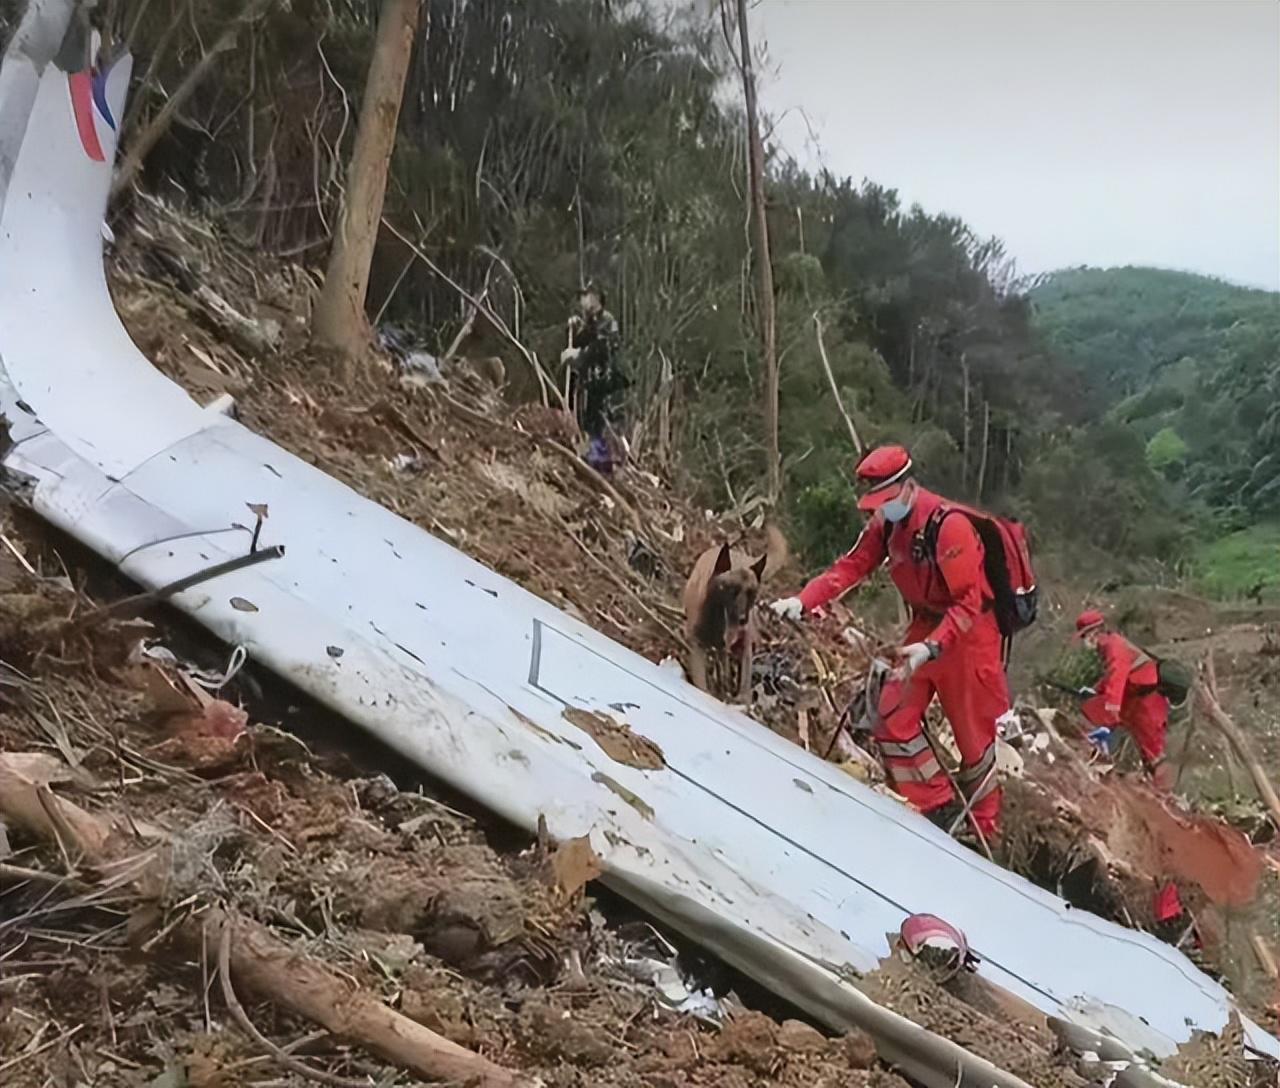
(673, 666)
(673, 990)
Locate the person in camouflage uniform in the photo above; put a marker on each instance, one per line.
(594, 358)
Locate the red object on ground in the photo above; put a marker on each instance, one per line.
(1168, 904)
(950, 602)
(918, 929)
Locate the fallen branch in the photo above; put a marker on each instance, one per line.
(544, 379)
(583, 471)
(288, 1061)
(18, 874)
(593, 479)
(255, 338)
(468, 325)
(1206, 690)
(835, 391)
(617, 580)
(142, 144)
(262, 962)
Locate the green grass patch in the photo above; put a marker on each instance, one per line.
(1237, 564)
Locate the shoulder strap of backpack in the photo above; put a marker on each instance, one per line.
(1143, 656)
(932, 528)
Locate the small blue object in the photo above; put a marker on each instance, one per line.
(599, 456)
(1101, 737)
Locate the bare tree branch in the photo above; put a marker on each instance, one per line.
(835, 391)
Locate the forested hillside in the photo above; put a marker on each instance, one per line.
(555, 141)
(1188, 368)
(1192, 364)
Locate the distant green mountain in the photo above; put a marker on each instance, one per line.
(1192, 364)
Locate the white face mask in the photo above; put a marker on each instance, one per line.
(897, 508)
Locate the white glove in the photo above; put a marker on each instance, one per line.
(911, 657)
(788, 608)
(569, 354)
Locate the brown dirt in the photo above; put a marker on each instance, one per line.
(617, 741)
(1135, 832)
(954, 1009)
(1214, 1061)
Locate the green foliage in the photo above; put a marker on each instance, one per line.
(1166, 451)
(825, 520)
(1184, 357)
(1241, 563)
(1093, 486)
(1076, 666)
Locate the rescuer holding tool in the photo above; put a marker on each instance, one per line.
(953, 646)
(1130, 695)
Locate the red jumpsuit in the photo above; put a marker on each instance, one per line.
(1127, 696)
(950, 603)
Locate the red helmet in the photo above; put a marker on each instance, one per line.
(1088, 622)
(881, 474)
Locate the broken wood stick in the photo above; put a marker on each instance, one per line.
(1266, 958)
(259, 960)
(593, 479)
(469, 323)
(288, 1061)
(1206, 690)
(617, 580)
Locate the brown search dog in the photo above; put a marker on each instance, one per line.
(719, 599)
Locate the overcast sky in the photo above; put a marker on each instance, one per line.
(1097, 132)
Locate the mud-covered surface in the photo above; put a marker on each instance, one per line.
(471, 929)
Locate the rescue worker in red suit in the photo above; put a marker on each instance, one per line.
(953, 646)
(1126, 695)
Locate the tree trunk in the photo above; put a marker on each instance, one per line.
(339, 321)
(982, 461)
(764, 263)
(964, 464)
